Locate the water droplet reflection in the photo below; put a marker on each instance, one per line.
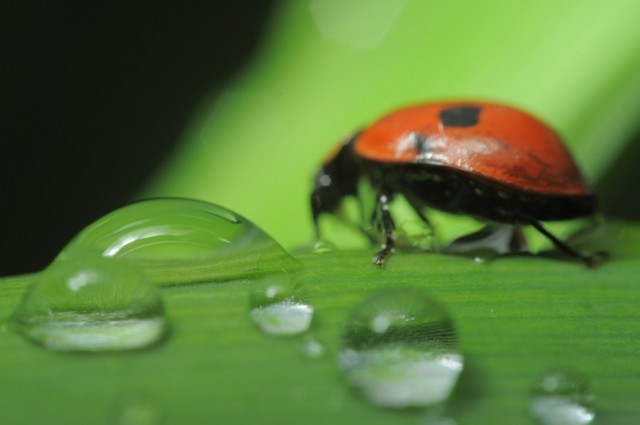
(322, 247)
(91, 305)
(182, 241)
(278, 306)
(311, 348)
(400, 350)
(562, 398)
(319, 246)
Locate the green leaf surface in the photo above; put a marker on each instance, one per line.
(517, 318)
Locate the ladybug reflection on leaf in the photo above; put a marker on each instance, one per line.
(491, 161)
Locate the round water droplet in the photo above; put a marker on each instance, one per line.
(134, 409)
(91, 304)
(322, 247)
(319, 246)
(562, 398)
(311, 348)
(435, 415)
(182, 241)
(278, 306)
(400, 350)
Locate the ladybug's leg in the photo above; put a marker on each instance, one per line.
(518, 243)
(382, 204)
(589, 260)
(417, 208)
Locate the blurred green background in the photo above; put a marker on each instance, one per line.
(330, 67)
(238, 103)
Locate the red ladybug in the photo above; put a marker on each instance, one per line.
(487, 160)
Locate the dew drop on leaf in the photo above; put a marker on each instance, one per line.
(177, 241)
(135, 409)
(91, 304)
(399, 349)
(279, 306)
(562, 398)
(317, 246)
(321, 246)
(311, 348)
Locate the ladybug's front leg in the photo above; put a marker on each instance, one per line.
(382, 205)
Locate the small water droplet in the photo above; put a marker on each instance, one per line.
(91, 304)
(278, 306)
(182, 241)
(311, 348)
(435, 415)
(562, 398)
(134, 409)
(318, 246)
(400, 350)
(322, 247)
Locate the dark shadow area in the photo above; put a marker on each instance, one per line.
(618, 190)
(94, 95)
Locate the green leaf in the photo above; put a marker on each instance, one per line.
(517, 318)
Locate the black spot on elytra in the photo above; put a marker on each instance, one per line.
(460, 116)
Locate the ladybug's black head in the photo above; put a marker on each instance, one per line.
(336, 179)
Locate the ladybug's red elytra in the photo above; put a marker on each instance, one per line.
(487, 160)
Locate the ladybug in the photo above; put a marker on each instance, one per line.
(491, 161)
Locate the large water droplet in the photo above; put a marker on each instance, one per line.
(278, 306)
(182, 241)
(562, 398)
(91, 304)
(400, 350)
